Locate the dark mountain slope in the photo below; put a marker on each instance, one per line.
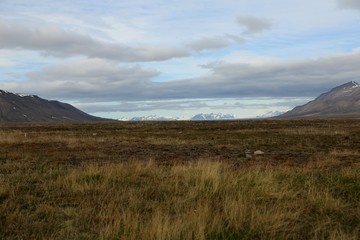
(31, 108)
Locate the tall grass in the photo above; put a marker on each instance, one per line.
(195, 200)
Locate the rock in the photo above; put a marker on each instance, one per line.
(259, 152)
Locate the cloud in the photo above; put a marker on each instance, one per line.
(352, 4)
(235, 38)
(100, 80)
(276, 78)
(136, 106)
(92, 71)
(55, 41)
(85, 79)
(209, 43)
(215, 43)
(253, 25)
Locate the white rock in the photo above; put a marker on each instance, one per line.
(259, 152)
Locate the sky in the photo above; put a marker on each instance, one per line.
(121, 59)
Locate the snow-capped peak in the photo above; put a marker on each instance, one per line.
(16, 94)
(355, 84)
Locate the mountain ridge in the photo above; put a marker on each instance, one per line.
(343, 100)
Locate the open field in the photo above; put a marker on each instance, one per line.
(181, 180)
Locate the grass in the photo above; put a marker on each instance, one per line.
(131, 181)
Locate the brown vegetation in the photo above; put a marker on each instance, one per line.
(180, 180)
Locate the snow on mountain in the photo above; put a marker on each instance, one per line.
(154, 118)
(25, 95)
(123, 119)
(197, 117)
(213, 116)
(355, 84)
(17, 94)
(270, 114)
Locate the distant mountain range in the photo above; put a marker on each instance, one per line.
(197, 117)
(153, 118)
(31, 108)
(341, 101)
(213, 116)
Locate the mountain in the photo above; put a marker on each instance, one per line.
(212, 116)
(154, 118)
(270, 114)
(123, 119)
(343, 100)
(31, 108)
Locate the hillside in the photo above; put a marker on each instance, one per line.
(31, 108)
(343, 100)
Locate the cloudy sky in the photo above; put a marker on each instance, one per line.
(176, 58)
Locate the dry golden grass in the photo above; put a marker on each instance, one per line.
(145, 181)
(197, 200)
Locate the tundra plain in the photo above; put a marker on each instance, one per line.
(181, 180)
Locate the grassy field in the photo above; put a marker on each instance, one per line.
(181, 180)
